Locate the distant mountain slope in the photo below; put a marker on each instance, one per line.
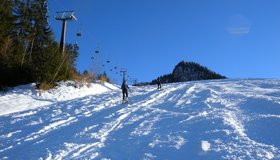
(189, 71)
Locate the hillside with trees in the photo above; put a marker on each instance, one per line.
(189, 71)
(28, 51)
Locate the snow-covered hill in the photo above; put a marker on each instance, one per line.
(224, 119)
(26, 97)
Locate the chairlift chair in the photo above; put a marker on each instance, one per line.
(79, 34)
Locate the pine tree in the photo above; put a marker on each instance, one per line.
(24, 41)
(25, 29)
(7, 19)
(7, 42)
(43, 39)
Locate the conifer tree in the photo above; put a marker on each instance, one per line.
(42, 40)
(7, 34)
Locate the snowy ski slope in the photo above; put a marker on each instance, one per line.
(223, 119)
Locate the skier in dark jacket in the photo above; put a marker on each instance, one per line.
(125, 90)
(159, 83)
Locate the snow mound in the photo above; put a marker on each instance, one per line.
(68, 90)
(26, 97)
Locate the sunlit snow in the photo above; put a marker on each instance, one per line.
(221, 119)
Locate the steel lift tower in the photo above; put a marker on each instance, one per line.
(123, 71)
(64, 16)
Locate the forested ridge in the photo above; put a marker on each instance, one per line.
(28, 50)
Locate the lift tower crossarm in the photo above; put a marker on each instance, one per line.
(123, 71)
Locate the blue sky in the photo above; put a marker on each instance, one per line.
(236, 38)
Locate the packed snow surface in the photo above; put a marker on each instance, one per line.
(223, 119)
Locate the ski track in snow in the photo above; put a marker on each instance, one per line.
(223, 119)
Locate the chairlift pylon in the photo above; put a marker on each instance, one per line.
(64, 16)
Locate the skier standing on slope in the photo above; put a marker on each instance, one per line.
(158, 83)
(125, 91)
